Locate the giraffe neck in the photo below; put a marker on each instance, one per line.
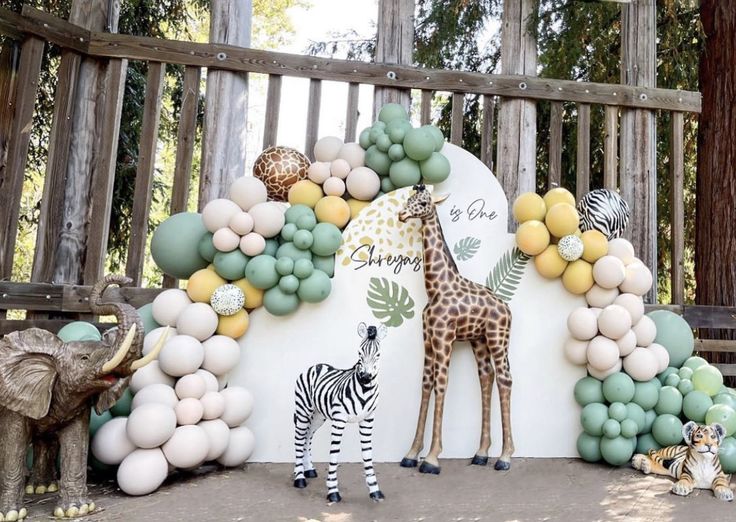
(438, 262)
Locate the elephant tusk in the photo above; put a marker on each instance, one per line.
(140, 363)
(122, 351)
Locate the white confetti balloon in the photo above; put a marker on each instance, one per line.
(227, 299)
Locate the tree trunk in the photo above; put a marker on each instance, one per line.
(715, 237)
(394, 44)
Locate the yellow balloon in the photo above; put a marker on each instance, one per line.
(595, 245)
(202, 284)
(549, 263)
(562, 220)
(305, 192)
(332, 209)
(356, 206)
(532, 237)
(578, 277)
(558, 195)
(233, 325)
(529, 206)
(253, 295)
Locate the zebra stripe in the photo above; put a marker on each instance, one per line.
(604, 210)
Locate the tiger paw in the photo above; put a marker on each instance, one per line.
(682, 488)
(723, 493)
(642, 463)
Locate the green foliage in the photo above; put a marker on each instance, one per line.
(390, 302)
(505, 277)
(466, 248)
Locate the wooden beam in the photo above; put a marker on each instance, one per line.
(313, 111)
(677, 206)
(51, 325)
(144, 174)
(486, 137)
(352, 112)
(555, 145)
(727, 370)
(714, 345)
(456, 121)
(45, 26)
(610, 148)
(582, 166)
(273, 106)
(67, 298)
(425, 111)
(394, 45)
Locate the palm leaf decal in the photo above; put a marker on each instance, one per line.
(390, 302)
(466, 248)
(506, 275)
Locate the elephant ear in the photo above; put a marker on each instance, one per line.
(28, 371)
(109, 397)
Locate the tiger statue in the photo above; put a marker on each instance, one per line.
(695, 465)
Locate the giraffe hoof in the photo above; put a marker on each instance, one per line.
(479, 461)
(408, 463)
(333, 498)
(426, 467)
(310, 473)
(300, 483)
(502, 465)
(378, 496)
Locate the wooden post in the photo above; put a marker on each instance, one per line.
(394, 45)
(226, 104)
(517, 119)
(638, 154)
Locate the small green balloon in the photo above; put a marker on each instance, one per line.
(387, 185)
(146, 313)
(435, 169)
(272, 246)
(685, 373)
(315, 288)
(278, 302)
(122, 407)
(588, 390)
(694, 363)
(646, 393)
(629, 428)
(383, 143)
(646, 442)
(327, 239)
(392, 111)
(672, 380)
(287, 233)
(611, 428)
(79, 331)
(439, 138)
(592, 418)
(261, 272)
(306, 222)
(377, 160)
(667, 430)
(303, 239)
(405, 173)
(396, 130)
(695, 405)
(670, 401)
(618, 387)
(303, 268)
(708, 379)
(675, 334)
(375, 133)
(230, 265)
(725, 398)
(635, 413)
(325, 264)
(292, 251)
(617, 411)
(419, 144)
(381, 125)
(724, 415)
(206, 247)
(727, 455)
(396, 152)
(175, 245)
(617, 451)
(685, 386)
(289, 284)
(365, 138)
(285, 266)
(649, 417)
(666, 373)
(589, 447)
(295, 212)
(96, 421)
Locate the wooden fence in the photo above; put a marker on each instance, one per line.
(30, 32)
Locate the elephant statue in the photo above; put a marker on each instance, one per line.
(47, 388)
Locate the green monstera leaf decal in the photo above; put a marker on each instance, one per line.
(505, 277)
(466, 248)
(390, 302)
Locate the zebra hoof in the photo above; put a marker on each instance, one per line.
(479, 460)
(502, 465)
(408, 463)
(300, 483)
(426, 467)
(332, 498)
(310, 473)
(378, 496)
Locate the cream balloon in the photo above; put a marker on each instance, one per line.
(582, 324)
(210, 380)
(248, 191)
(627, 343)
(221, 354)
(638, 279)
(111, 444)
(213, 404)
(238, 405)
(339, 168)
(622, 249)
(181, 355)
(168, 305)
(645, 331)
(225, 240)
(150, 425)
(609, 271)
(576, 351)
(152, 337)
(353, 153)
(188, 411)
(363, 183)
(197, 320)
(600, 297)
(142, 472)
(641, 364)
(158, 393)
(239, 447)
(614, 321)
(268, 218)
(602, 353)
(191, 386)
(634, 304)
(252, 244)
(334, 186)
(601, 375)
(327, 148)
(241, 223)
(662, 355)
(150, 374)
(217, 214)
(218, 435)
(319, 172)
(188, 447)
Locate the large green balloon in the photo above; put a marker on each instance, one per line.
(324, 263)
(592, 418)
(396, 131)
(435, 169)
(724, 415)
(206, 247)
(146, 313)
(261, 272)
(364, 138)
(439, 138)
(635, 413)
(617, 451)
(419, 144)
(694, 363)
(96, 421)
(646, 393)
(670, 401)
(685, 386)
(79, 331)
(667, 430)
(377, 160)
(674, 334)
(646, 442)
(405, 173)
(588, 390)
(122, 407)
(392, 111)
(230, 265)
(589, 447)
(278, 302)
(327, 239)
(707, 379)
(315, 288)
(175, 245)
(618, 387)
(292, 251)
(285, 265)
(727, 454)
(725, 398)
(695, 405)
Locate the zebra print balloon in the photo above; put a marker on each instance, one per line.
(604, 210)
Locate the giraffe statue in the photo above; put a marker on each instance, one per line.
(457, 310)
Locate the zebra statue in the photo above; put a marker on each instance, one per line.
(342, 396)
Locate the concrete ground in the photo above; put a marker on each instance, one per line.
(534, 489)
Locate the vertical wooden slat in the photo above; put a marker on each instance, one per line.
(315, 101)
(456, 121)
(394, 44)
(677, 212)
(582, 185)
(11, 183)
(103, 177)
(486, 136)
(610, 148)
(9, 56)
(144, 173)
(555, 145)
(273, 105)
(425, 117)
(351, 114)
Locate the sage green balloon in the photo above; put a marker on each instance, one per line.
(272, 246)
(592, 418)
(306, 222)
(635, 413)
(617, 451)
(695, 405)
(727, 454)
(287, 233)
(666, 373)
(278, 302)
(396, 152)
(96, 421)
(383, 143)
(724, 415)
(667, 430)
(285, 265)
(649, 417)
(435, 169)
(672, 380)
(377, 160)
(405, 173)
(611, 428)
(261, 272)
(122, 407)
(292, 251)
(230, 265)
(674, 334)
(646, 442)
(397, 130)
(392, 111)
(175, 245)
(378, 124)
(419, 144)
(589, 447)
(327, 239)
(685, 386)
(439, 138)
(325, 263)
(708, 378)
(146, 314)
(694, 362)
(303, 239)
(387, 185)
(206, 247)
(365, 138)
(294, 212)
(80, 331)
(303, 268)
(289, 284)
(646, 394)
(725, 398)
(618, 387)
(629, 428)
(375, 134)
(685, 373)
(617, 411)
(588, 390)
(315, 288)
(670, 401)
